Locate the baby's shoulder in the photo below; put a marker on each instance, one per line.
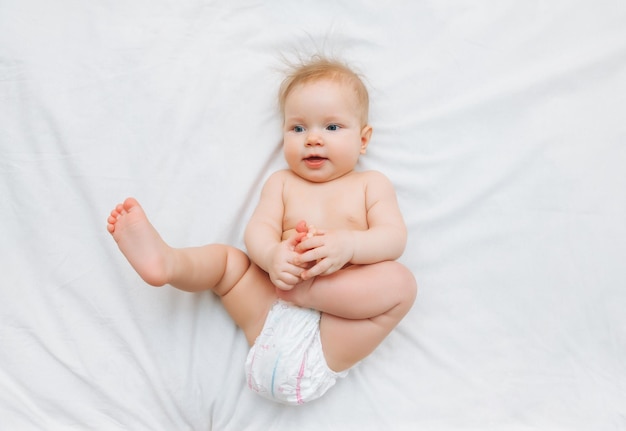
(372, 176)
(376, 184)
(279, 176)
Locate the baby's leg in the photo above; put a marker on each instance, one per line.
(246, 291)
(358, 291)
(361, 305)
(190, 269)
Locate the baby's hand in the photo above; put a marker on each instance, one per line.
(285, 269)
(327, 251)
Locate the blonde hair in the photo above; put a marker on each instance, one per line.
(319, 68)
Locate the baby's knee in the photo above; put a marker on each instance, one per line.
(237, 262)
(235, 266)
(403, 282)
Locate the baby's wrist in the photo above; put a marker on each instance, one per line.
(353, 243)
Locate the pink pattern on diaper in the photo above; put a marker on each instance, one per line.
(299, 381)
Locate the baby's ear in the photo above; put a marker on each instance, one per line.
(366, 135)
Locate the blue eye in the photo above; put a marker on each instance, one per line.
(298, 129)
(333, 127)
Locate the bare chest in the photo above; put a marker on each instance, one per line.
(326, 206)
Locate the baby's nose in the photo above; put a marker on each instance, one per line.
(313, 138)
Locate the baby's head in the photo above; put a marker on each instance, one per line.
(322, 68)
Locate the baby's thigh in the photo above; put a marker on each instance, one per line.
(250, 300)
(347, 341)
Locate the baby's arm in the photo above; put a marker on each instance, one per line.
(385, 238)
(263, 236)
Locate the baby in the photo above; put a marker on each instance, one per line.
(311, 301)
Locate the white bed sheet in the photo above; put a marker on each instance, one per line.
(500, 123)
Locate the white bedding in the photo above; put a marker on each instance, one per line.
(500, 123)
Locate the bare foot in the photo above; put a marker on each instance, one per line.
(140, 243)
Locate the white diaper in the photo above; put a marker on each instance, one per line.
(286, 363)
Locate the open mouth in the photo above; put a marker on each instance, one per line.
(314, 161)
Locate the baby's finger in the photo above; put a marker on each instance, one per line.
(286, 281)
(312, 255)
(321, 268)
(281, 285)
(293, 270)
(295, 239)
(309, 244)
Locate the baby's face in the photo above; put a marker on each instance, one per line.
(323, 134)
